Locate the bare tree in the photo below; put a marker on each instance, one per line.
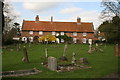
(8, 16)
(111, 9)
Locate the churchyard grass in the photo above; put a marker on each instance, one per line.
(102, 63)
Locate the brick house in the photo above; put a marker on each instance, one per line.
(80, 31)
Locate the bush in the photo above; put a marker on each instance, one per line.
(10, 41)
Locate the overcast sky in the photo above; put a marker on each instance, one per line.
(61, 10)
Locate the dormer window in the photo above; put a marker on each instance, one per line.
(31, 32)
(62, 33)
(53, 33)
(74, 33)
(40, 32)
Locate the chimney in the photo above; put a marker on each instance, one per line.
(51, 18)
(78, 19)
(37, 18)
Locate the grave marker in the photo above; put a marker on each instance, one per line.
(25, 58)
(90, 49)
(73, 58)
(52, 63)
(65, 49)
(46, 54)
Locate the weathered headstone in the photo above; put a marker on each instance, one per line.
(90, 48)
(52, 63)
(83, 61)
(46, 54)
(74, 58)
(65, 49)
(25, 58)
(90, 41)
(98, 48)
(64, 58)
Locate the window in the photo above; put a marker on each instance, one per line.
(84, 40)
(62, 40)
(31, 39)
(84, 34)
(74, 33)
(57, 34)
(31, 32)
(24, 38)
(53, 33)
(62, 33)
(40, 32)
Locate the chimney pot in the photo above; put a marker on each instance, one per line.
(78, 19)
(37, 18)
(51, 18)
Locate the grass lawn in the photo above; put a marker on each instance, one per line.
(102, 63)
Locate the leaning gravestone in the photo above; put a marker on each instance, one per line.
(52, 63)
(83, 61)
(64, 58)
(25, 58)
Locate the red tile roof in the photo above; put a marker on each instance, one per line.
(57, 26)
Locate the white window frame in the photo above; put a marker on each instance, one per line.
(40, 32)
(31, 39)
(74, 33)
(84, 40)
(84, 33)
(57, 34)
(53, 33)
(62, 33)
(24, 38)
(31, 32)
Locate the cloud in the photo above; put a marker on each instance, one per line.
(86, 16)
(39, 6)
(70, 10)
(57, 0)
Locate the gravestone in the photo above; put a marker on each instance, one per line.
(117, 50)
(46, 54)
(74, 58)
(90, 41)
(83, 61)
(98, 48)
(65, 49)
(52, 63)
(64, 58)
(90, 49)
(25, 58)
